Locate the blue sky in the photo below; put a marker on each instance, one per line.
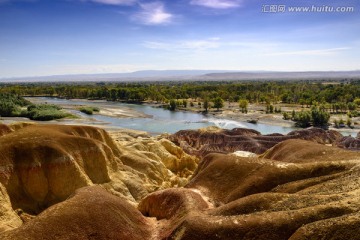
(50, 37)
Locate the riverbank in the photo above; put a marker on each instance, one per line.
(106, 108)
(256, 114)
(152, 117)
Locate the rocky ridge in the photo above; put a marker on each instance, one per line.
(215, 140)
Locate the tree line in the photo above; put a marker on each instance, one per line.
(291, 92)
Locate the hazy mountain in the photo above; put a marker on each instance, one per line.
(188, 75)
(281, 75)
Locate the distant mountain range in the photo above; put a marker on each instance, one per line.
(190, 75)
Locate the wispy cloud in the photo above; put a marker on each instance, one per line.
(153, 14)
(217, 4)
(112, 2)
(184, 45)
(315, 52)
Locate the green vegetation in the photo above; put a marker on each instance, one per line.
(172, 105)
(12, 105)
(319, 117)
(206, 105)
(89, 110)
(336, 94)
(243, 104)
(303, 119)
(329, 96)
(218, 103)
(316, 117)
(45, 112)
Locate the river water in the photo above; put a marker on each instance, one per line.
(159, 120)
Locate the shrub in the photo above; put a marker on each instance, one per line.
(286, 116)
(7, 109)
(302, 119)
(315, 117)
(184, 103)
(218, 103)
(243, 104)
(172, 105)
(319, 117)
(45, 112)
(89, 110)
(10, 104)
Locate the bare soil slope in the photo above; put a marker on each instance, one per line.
(91, 213)
(213, 140)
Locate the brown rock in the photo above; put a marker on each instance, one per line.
(4, 129)
(92, 213)
(203, 142)
(289, 151)
(312, 197)
(8, 218)
(44, 164)
(170, 203)
(349, 142)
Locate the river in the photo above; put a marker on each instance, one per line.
(158, 120)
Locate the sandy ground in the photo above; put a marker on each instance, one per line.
(122, 113)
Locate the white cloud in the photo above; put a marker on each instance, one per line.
(184, 45)
(112, 2)
(217, 4)
(153, 14)
(315, 52)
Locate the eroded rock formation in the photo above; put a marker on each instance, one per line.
(296, 189)
(352, 143)
(4, 129)
(213, 140)
(44, 164)
(8, 218)
(312, 192)
(91, 213)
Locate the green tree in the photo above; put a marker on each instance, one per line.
(319, 118)
(286, 116)
(303, 119)
(7, 109)
(172, 104)
(206, 105)
(243, 104)
(351, 106)
(357, 101)
(218, 103)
